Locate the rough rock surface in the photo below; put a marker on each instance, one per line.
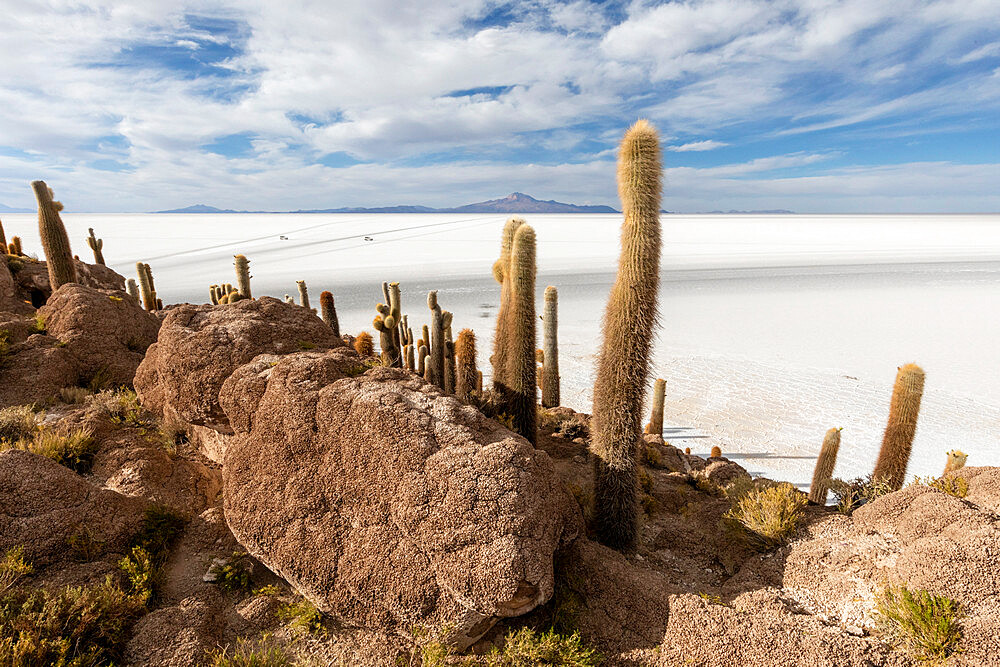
(43, 504)
(385, 502)
(105, 331)
(32, 278)
(200, 346)
(11, 300)
(35, 370)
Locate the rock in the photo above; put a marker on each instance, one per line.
(43, 505)
(35, 370)
(200, 346)
(723, 472)
(385, 502)
(180, 635)
(31, 278)
(106, 332)
(11, 300)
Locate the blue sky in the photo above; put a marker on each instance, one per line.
(809, 105)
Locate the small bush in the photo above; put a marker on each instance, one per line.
(174, 434)
(652, 456)
(853, 494)
(85, 545)
(38, 326)
(713, 599)
(302, 617)
(99, 381)
(650, 505)
(234, 575)
(571, 429)
(74, 449)
(927, 625)
(527, 648)
(160, 527)
(645, 481)
(246, 653)
(4, 345)
(142, 573)
(12, 568)
(953, 486)
(769, 516)
(121, 406)
(17, 422)
(73, 395)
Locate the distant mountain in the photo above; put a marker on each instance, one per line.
(516, 202)
(777, 211)
(8, 209)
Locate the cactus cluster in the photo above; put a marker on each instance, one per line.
(133, 290)
(303, 294)
(225, 293)
(146, 287)
(97, 245)
(387, 323)
(15, 246)
(55, 241)
(520, 374)
(501, 338)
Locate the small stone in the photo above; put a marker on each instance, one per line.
(855, 630)
(212, 575)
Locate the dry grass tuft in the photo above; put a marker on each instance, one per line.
(769, 516)
(927, 625)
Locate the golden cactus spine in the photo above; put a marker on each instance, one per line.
(897, 442)
(242, 266)
(437, 339)
(655, 425)
(329, 312)
(466, 374)
(55, 241)
(956, 461)
(623, 365)
(97, 245)
(716, 452)
(363, 344)
(825, 464)
(501, 339)
(550, 346)
(521, 371)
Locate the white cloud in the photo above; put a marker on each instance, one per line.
(694, 146)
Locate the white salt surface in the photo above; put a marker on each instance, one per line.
(774, 328)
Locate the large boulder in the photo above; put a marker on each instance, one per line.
(43, 505)
(31, 278)
(11, 300)
(106, 332)
(200, 346)
(385, 502)
(34, 370)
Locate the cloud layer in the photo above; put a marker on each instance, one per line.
(812, 105)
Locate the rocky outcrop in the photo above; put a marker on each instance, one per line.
(11, 300)
(200, 346)
(44, 505)
(31, 279)
(34, 370)
(385, 502)
(106, 332)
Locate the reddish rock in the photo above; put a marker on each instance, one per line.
(11, 300)
(35, 370)
(31, 278)
(385, 502)
(105, 331)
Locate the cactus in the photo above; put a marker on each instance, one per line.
(897, 442)
(213, 295)
(97, 245)
(15, 246)
(396, 315)
(655, 425)
(289, 299)
(159, 304)
(479, 381)
(466, 374)
(825, 464)
(409, 354)
(623, 364)
(3, 238)
(329, 312)
(956, 461)
(384, 335)
(363, 344)
(437, 339)
(146, 286)
(501, 339)
(426, 336)
(133, 290)
(421, 359)
(242, 265)
(716, 452)
(521, 372)
(550, 345)
(55, 242)
(303, 294)
(449, 355)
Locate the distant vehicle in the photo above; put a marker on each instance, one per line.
(368, 238)
(283, 238)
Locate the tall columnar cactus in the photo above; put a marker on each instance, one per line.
(213, 294)
(3, 238)
(897, 442)
(449, 355)
(303, 294)
(825, 464)
(465, 364)
(623, 365)
(437, 339)
(363, 344)
(550, 347)
(55, 242)
(421, 359)
(501, 339)
(956, 461)
(97, 245)
(396, 313)
(410, 357)
(133, 290)
(655, 425)
(15, 246)
(426, 336)
(242, 265)
(146, 286)
(329, 312)
(521, 372)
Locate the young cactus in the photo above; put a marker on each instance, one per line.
(550, 345)
(897, 442)
(97, 245)
(623, 364)
(466, 374)
(956, 461)
(655, 425)
(242, 265)
(3, 238)
(55, 242)
(15, 246)
(421, 359)
(329, 312)
(449, 355)
(146, 286)
(716, 452)
(133, 290)
(501, 339)
(363, 344)
(303, 294)
(825, 464)
(521, 371)
(437, 339)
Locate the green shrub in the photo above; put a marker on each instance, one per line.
(74, 449)
(246, 653)
(85, 545)
(4, 345)
(770, 516)
(160, 527)
(12, 568)
(17, 423)
(121, 406)
(927, 625)
(302, 617)
(143, 575)
(38, 327)
(853, 494)
(527, 648)
(234, 575)
(953, 486)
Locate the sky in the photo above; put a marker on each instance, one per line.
(809, 105)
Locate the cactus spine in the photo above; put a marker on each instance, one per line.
(466, 374)
(97, 245)
(825, 464)
(550, 347)
(521, 371)
(437, 339)
(655, 425)
(956, 461)
(623, 365)
(133, 290)
(146, 286)
(55, 242)
(897, 442)
(501, 339)
(329, 312)
(363, 344)
(242, 265)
